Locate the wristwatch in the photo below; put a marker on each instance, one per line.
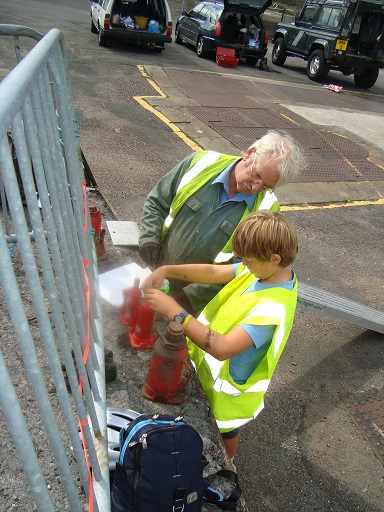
(180, 317)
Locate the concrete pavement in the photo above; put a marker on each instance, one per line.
(308, 450)
(318, 446)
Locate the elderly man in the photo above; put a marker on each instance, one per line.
(191, 214)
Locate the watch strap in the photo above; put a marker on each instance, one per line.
(180, 317)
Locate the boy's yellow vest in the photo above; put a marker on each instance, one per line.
(205, 166)
(232, 404)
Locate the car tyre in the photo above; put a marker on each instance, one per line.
(200, 50)
(279, 52)
(159, 48)
(317, 68)
(251, 61)
(367, 78)
(103, 40)
(93, 28)
(178, 39)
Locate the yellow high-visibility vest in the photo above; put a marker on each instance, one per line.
(205, 166)
(233, 404)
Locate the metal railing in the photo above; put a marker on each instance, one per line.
(43, 210)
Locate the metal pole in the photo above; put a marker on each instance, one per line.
(20, 436)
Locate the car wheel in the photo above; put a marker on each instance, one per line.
(178, 39)
(103, 40)
(200, 50)
(93, 28)
(251, 61)
(317, 68)
(367, 78)
(279, 52)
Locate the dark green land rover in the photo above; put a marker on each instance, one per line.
(345, 35)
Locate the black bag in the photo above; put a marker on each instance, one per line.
(160, 468)
(224, 490)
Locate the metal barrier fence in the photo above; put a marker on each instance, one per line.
(53, 279)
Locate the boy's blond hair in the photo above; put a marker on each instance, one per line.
(263, 234)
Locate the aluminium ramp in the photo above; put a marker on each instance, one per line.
(340, 308)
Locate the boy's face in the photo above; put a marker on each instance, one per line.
(263, 270)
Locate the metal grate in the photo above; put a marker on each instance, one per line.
(236, 110)
(225, 100)
(234, 117)
(331, 157)
(201, 88)
(345, 146)
(231, 85)
(338, 169)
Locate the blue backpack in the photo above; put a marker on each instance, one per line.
(160, 468)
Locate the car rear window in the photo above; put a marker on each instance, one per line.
(329, 17)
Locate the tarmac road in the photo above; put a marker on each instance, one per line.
(319, 444)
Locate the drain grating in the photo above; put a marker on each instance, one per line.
(338, 169)
(342, 145)
(231, 86)
(330, 157)
(224, 100)
(234, 117)
(367, 413)
(201, 87)
(239, 111)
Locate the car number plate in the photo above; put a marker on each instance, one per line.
(341, 44)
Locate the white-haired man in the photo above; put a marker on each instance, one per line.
(191, 214)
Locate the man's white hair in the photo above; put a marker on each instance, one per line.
(283, 148)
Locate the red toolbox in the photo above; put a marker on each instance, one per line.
(226, 57)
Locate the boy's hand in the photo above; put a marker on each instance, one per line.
(162, 303)
(154, 280)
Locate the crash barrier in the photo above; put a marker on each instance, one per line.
(341, 308)
(51, 277)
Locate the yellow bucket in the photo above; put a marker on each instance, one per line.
(141, 21)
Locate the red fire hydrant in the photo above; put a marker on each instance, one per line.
(165, 381)
(99, 233)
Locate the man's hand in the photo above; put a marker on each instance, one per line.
(151, 253)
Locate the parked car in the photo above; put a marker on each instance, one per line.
(233, 24)
(140, 21)
(345, 35)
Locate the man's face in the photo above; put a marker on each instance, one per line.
(256, 176)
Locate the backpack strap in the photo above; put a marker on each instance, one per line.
(179, 500)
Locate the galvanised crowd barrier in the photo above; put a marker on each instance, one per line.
(43, 210)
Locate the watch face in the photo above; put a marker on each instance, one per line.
(179, 318)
